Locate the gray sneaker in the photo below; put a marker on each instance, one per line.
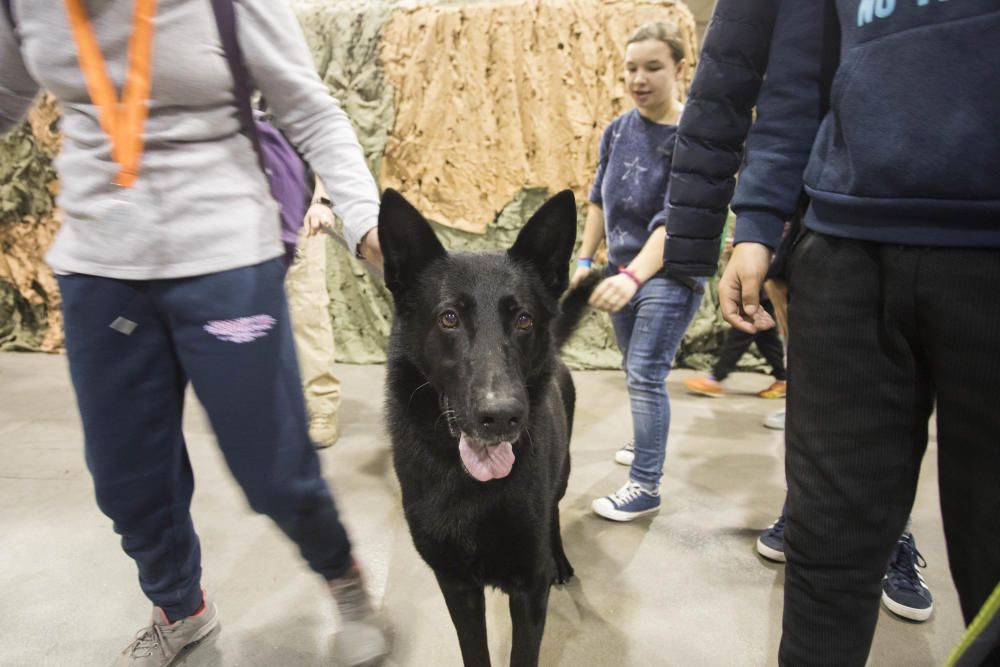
(159, 644)
(361, 640)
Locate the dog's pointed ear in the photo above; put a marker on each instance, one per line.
(546, 241)
(407, 239)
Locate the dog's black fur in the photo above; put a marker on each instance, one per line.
(474, 350)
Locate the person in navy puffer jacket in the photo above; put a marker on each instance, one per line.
(893, 282)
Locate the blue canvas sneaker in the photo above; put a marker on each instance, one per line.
(627, 503)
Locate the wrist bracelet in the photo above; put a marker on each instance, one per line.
(585, 262)
(625, 272)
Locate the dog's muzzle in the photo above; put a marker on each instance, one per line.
(481, 460)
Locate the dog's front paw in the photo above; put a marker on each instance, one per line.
(564, 571)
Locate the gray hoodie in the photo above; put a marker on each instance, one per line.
(201, 203)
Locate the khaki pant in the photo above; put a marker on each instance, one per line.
(309, 303)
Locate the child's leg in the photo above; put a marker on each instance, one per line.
(664, 309)
(736, 344)
(309, 304)
(770, 345)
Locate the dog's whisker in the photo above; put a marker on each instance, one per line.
(449, 416)
(426, 384)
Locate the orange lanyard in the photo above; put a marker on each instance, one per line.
(122, 120)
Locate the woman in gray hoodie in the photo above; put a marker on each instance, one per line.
(170, 267)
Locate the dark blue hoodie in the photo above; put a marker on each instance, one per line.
(909, 151)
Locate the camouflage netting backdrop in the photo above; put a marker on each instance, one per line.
(29, 300)
(476, 111)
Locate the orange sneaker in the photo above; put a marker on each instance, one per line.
(777, 390)
(705, 387)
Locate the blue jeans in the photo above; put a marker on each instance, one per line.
(649, 330)
(227, 334)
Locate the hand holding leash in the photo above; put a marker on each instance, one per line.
(370, 250)
(318, 217)
(579, 275)
(614, 292)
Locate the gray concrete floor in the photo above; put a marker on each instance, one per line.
(683, 588)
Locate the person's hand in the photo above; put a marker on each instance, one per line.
(370, 248)
(739, 288)
(317, 217)
(579, 275)
(611, 294)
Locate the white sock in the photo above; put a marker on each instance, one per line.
(651, 489)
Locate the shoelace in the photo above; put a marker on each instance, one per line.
(627, 494)
(902, 572)
(146, 640)
(779, 526)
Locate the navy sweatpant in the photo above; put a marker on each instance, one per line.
(133, 346)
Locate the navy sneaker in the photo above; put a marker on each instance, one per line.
(627, 503)
(771, 543)
(904, 591)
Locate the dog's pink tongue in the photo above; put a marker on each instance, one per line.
(486, 462)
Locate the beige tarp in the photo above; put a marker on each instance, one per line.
(476, 111)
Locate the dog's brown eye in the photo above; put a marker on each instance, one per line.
(449, 319)
(524, 322)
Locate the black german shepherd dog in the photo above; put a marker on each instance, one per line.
(480, 409)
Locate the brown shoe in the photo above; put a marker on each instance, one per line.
(777, 390)
(324, 430)
(705, 387)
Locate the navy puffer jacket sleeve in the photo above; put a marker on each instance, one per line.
(713, 128)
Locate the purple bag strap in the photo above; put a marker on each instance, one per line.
(225, 19)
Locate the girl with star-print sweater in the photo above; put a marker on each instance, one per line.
(649, 310)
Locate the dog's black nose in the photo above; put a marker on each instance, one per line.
(501, 416)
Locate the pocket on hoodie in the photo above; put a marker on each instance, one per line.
(915, 114)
